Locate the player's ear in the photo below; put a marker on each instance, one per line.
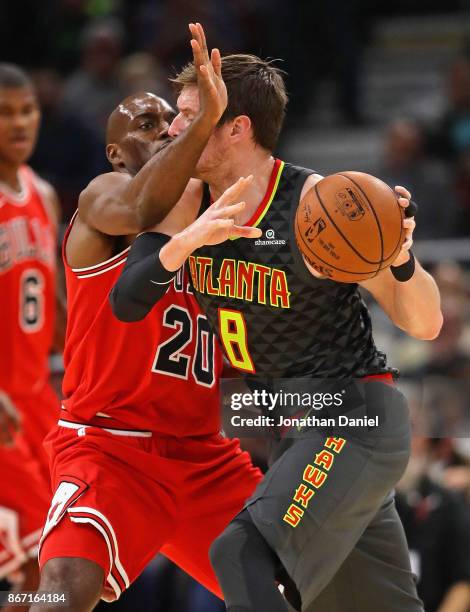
(113, 153)
(241, 127)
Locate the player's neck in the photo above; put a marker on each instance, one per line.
(260, 165)
(10, 176)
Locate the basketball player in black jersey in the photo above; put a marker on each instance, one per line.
(325, 512)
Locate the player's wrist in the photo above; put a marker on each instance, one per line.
(402, 259)
(175, 252)
(403, 271)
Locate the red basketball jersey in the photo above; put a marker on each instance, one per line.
(159, 374)
(27, 286)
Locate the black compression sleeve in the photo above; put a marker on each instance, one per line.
(143, 281)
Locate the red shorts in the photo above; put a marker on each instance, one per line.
(25, 489)
(120, 499)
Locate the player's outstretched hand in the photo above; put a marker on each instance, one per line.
(212, 90)
(217, 223)
(9, 420)
(404, 199)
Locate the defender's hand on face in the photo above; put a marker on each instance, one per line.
(212, 90)
(404, 197)
(217, 224)
(9, 420)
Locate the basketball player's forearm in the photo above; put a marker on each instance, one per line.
(174, 253)
(143, 281)
(416, 305)
(150, 267)
(154, 257)
(159, 185)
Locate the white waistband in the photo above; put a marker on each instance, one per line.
(116, 432)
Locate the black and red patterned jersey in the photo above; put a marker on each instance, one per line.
(273, 317)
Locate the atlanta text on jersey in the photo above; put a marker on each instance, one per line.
(241, 280)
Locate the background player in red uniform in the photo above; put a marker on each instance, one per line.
(137, 461)
(29, 214)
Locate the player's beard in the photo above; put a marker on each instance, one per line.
(212, 163)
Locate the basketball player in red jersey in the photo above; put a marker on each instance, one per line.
(137, 461)
(28, 228)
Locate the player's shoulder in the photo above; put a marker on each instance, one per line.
(106, 181)
(310, 182)
(310, 177)
(307, 176)
(103, 186)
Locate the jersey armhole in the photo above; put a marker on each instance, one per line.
(205, 200)
(300, 268)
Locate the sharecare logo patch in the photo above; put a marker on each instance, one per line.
(270, 238)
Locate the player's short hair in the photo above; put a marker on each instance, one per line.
(13, 76)
(255, 88)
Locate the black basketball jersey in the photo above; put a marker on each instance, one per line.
(273, 318)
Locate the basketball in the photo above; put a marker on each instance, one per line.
(349, 226)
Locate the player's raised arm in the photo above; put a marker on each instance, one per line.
(130, 199)
(155, 257)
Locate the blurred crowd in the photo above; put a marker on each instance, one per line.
(433, 497)
(86, 55)
(432, 158)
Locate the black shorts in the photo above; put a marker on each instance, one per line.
(326, 507)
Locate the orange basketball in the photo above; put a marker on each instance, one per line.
(349, 226)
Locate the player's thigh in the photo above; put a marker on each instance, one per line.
(106, 483)
(217, 494)
(318, 498)
(377, 574)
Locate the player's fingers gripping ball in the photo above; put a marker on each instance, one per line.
(349, 226)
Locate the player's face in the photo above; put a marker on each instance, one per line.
(19, 123)
(148, 120)
(216, 149)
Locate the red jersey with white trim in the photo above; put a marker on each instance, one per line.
(27, 286)
(159, 374)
